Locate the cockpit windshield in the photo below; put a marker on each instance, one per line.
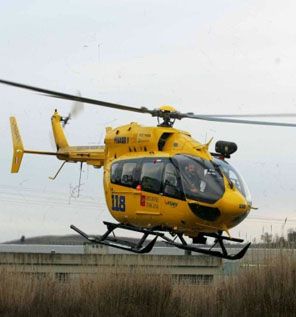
(201, 179)
(233, 175)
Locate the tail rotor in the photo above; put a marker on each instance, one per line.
(76, 109)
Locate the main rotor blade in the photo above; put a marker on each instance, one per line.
(217, 119)
(157, 112)
(253, 115)
(61, 95)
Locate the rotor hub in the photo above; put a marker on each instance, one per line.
(167, 108)
(165, 112)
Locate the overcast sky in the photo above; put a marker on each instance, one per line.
(200, 56)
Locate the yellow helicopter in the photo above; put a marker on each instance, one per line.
(158, 181)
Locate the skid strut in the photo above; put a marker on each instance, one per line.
(145, 246)
(119, 243)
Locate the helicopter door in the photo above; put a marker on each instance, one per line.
(126, 174)
(173, 195)
(151, 186)
(172, 183)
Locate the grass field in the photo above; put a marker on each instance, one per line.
(257, 291)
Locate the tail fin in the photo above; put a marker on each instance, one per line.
(18, 148)
(58, 132)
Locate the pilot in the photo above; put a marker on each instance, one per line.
(194, 177)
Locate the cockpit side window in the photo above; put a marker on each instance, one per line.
(201, 179)
(234, 178)
(171, 182)
(232, 174)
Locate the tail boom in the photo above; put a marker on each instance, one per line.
(92, 155)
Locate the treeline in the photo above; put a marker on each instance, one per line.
(269, 240)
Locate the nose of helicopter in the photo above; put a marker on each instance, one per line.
(233, 207)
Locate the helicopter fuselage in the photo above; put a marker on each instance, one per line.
(157, 178)
(147, 182)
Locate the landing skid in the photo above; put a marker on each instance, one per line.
(143, 246)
